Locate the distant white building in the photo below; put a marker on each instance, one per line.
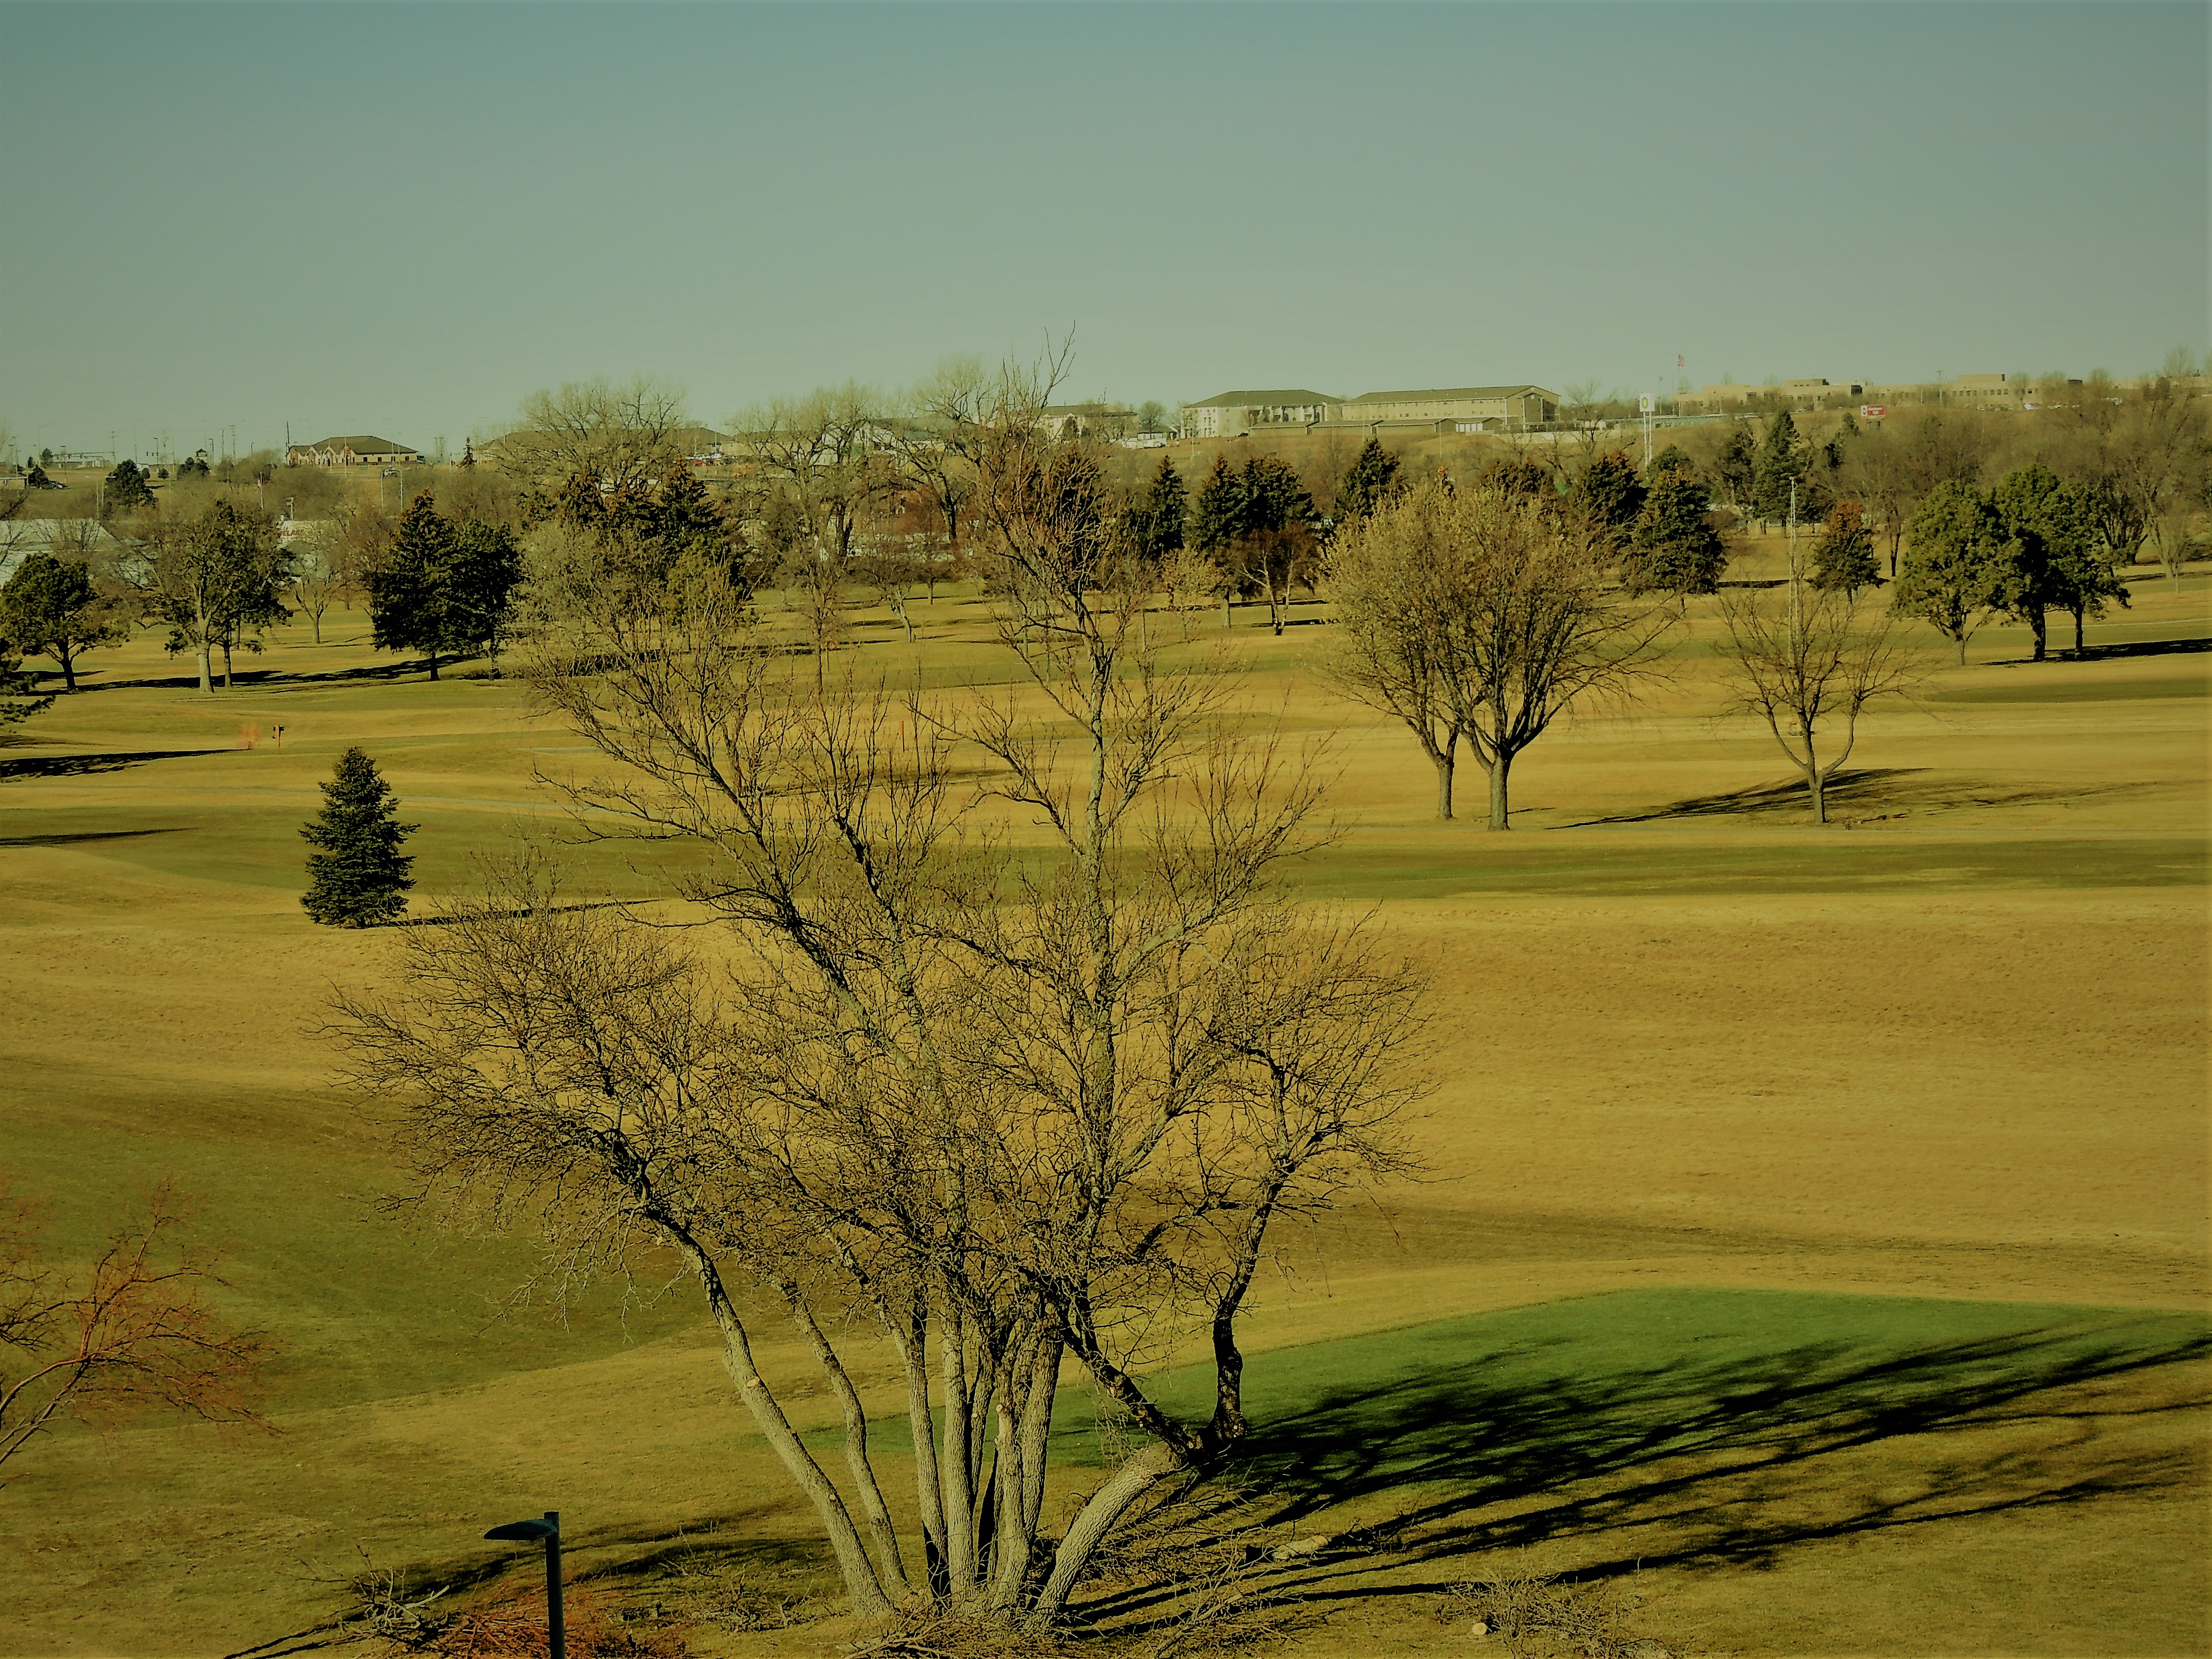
(1233, 413)
(363, 451)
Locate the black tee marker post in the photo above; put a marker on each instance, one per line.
(556, 1632)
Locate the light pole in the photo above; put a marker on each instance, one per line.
(549, 1530)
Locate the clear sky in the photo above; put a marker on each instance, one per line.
(398, 219)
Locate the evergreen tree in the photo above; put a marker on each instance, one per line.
(1517, 476)
(468, 453)
(1675, 549)
(2062, 566)
(17, 701)
(36, 479)
(485, 564)
(1781, 463)
(1372, 481)
(1216, 518)
(357, 875)
(1957, 568)
(127, 490)
(1843, 558)
(1737, 466)
(50, 607)
(191, 467)
(1671, 459)
(1167, 508)
(407, 598)
(1609, 496)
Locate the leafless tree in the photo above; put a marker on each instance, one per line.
(1012, 1109)
(136, 1332)
(625, 434)
(1807, 663)
(1482, 615)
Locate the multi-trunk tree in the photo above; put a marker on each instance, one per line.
(1481, 616)
(1008, 1110)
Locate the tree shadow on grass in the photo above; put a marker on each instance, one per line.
(72, 838)
(1874, 790)
(78, 766)
(1735, 1463)
(278, 679)
(2111, 652)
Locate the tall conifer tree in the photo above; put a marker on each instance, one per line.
(357, 875)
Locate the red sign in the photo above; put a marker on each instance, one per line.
(1873, 411)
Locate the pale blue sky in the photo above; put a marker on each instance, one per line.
(398, 219)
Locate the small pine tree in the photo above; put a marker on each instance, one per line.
(1843, 559)
(358, 876)
(1167, 507)
(1216, 518)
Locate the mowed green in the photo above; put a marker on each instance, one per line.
(1819, 1127)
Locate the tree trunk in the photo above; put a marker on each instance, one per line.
(1145, 1470)
(1962, 650)
(2040, 625)
(929, 1495)
(2081, 616)
(1445, 766)
(891, 1565)
(67, 659)
(1036, 1430)
(433, 663)
(207, 668)
(316, 618)
(1225, 611)
(226, 664)
(861, 1581)
(1500, 817)
(952, 1460)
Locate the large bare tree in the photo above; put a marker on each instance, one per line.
(1482, 615)
(1008, 1106)
(621, 434)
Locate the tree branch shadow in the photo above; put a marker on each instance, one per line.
(1884, 790)
(1737, 1463)
(78, 766)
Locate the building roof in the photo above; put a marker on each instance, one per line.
(1456, 393)
(364, 445)
(1259, 400)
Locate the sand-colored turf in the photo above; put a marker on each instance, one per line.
(1947, 1054)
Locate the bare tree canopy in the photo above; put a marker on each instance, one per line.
(620, 433)
(1480, 614)
(1807, 662)
(1005, 1106)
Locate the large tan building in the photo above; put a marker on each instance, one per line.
(1509, 405)
(1234, 413)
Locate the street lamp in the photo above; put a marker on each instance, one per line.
(548, 1530)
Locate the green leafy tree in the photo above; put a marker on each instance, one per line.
(1675, 548)
(1781, 463)
(1372, 480)
(357, 875)
(193, 466)
(1671, 459)
(50, 607)
(1609, 498)
(216, 580)
(2055, 521)
(1844, 558)
(17, 703)
(127, 490)
(1956, 566)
